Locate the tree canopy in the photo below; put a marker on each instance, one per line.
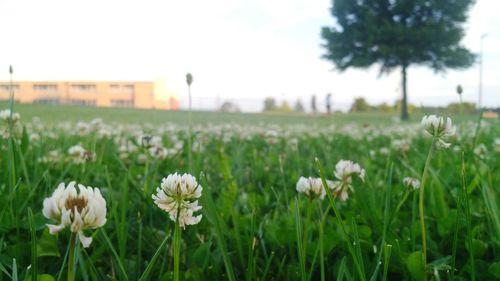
(398, 33)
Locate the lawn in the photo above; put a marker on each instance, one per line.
(359, 220)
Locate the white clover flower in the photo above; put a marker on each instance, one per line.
(6, 116)
(8, 121)
(311, 187)
(340, 189)
(53, 157)
(401, 145)
(344, 170)
(81, 210)
(178, 194)
(384, 151)
(411, 182)
(83, 128)
(481, 150)
(78, 155)
(148, 141)
(158, 152)
(439, 128)
(34, 137)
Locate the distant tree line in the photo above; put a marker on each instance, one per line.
(361, 105)
(270, 105)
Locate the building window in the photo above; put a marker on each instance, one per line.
(45, 88)
(47, 101)
(122, 103)
(82, 102)
(114, 88)
(84, 87)
(6, 88)
(129, 89)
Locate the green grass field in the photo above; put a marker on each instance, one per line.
(56, 114)
(255, 225)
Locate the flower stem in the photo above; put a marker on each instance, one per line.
(190, 128)
(421, 206)
(71, 261)
(177, 248)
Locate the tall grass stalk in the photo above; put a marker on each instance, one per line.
(468, 222)
(421, 204)
(177, 246)
(387, 259)
(151, 263)
(34, 254)
(300, 242)
(189, 79)
(321, 250)
(221, 229)
(11, 99)
(71, 260)
(357, 264)
(455, 237)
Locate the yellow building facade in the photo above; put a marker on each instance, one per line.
(153, 95)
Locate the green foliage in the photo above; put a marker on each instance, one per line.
(397, 33)
(270, 104)
(298, 107)
(285, 107)
(465, 107)
(253, 218)
(360, 105)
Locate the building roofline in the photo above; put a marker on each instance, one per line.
(75, 81)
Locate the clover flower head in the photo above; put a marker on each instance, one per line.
(78, 155)
(344, 170)
(340, 189)
(481, 150)
(7, 121)
(177, 196)
(311, 187)
(78, 210)
(440, 128)
(411, 182)
(401, 145)
(5, 115)
(148, 141)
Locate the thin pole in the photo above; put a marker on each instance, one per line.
(11, 89)
(480, 92)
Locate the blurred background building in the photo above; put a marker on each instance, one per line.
(152, 95)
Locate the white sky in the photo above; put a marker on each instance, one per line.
(238, 50)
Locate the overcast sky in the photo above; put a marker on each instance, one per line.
(239, 50)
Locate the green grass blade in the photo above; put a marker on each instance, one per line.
(123, 273)
(299, 239)
(151, 263)
(212, 215)
(34, 255)
(331, 199)
(387, 259)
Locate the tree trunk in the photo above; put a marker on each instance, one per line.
(404, 101)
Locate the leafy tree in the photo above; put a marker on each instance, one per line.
(398, 105)
(298, 107)
(360, 105)
(398, 33)
(229, 107)
(465, 107)
(384, 107)
(269, 104)
(285, 107)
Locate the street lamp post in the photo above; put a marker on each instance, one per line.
(480, 92)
